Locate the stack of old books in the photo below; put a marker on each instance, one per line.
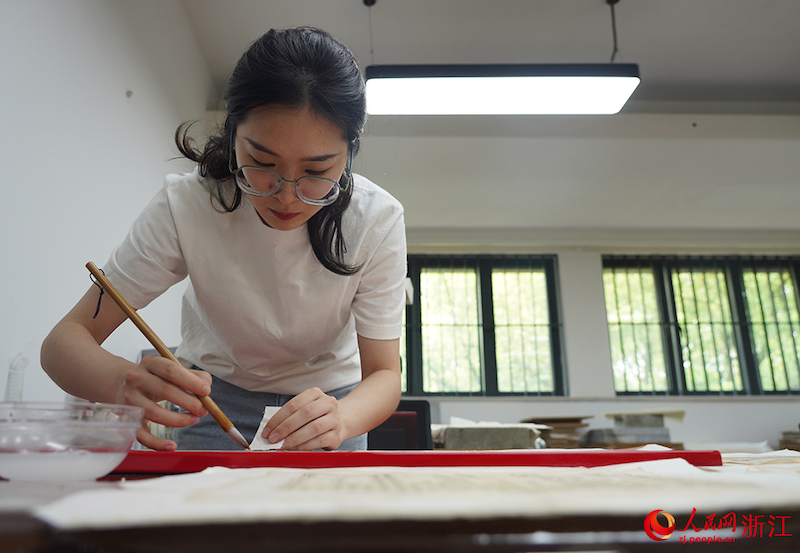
(634, 429)
(560, 432)
(790, 440)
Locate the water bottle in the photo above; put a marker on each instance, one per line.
(16, 378)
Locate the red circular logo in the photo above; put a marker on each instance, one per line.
(654, 530)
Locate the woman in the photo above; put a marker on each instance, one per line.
(295, 266)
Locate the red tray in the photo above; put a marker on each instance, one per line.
(177, 462)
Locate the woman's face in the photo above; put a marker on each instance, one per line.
(295, 142)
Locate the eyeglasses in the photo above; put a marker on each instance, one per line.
(263, 182)
(260, 181)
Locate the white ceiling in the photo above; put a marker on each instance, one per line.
(708, 143)
(738, 56)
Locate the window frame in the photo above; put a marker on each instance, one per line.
(733, 268)
(483, 265)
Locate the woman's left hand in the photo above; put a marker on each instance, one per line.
(308, 421)
(315, 420)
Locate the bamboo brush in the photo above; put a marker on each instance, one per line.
(151, 336)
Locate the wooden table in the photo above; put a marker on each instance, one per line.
(20, 532)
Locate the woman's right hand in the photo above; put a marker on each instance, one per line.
(157, 379)
(74, 359)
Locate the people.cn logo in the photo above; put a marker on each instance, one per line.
(654, 530)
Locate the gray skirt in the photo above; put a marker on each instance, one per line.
(245, 410)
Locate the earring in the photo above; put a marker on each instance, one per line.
(231, 157)
(347, 176)
(231, 164)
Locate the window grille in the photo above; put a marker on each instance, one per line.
(522, 330)
(635, 330)
(704, 321)
(723, 325)
(483, 325)
(774, 325)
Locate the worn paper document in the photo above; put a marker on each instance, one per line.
(221, 495)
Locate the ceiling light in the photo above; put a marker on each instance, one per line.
(499, 89)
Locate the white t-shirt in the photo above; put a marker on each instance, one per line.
(260, 311)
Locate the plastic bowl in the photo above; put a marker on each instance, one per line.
(65, 441)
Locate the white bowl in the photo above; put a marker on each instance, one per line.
(65, 441)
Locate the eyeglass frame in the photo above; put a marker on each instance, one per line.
(235, 171)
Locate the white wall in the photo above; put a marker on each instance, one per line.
(628, 172)
(92, 93)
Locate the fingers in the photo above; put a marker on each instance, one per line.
(321, 433)
(156, 379)
(186, 380)
(206, 378)
(308, 421)
(144, 437)
(155, 412)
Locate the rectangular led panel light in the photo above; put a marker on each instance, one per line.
(527, 89)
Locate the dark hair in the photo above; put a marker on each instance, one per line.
(293, 68)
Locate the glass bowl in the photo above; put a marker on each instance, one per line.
(65, 441)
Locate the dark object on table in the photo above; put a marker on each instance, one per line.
(409, 427)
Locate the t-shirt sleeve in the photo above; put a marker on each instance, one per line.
(149, 260)
(379, 301)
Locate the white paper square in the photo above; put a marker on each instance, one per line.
(259, 443)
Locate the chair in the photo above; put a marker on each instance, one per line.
(409, 427)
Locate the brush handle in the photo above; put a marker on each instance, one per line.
(160, 346)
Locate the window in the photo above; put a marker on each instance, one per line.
(483, 325)
(726, 325)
